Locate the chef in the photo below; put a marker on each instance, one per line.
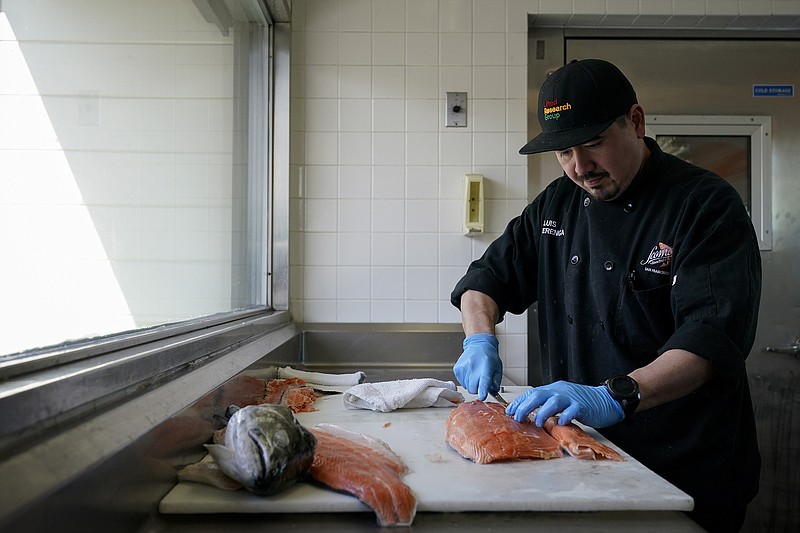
(647, 274)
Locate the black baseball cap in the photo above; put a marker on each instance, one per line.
(578, 102)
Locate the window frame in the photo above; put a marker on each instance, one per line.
(43, 388)
(759, 129)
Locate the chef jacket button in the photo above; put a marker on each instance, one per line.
(608, 265)
(574, 259)
(586, 202)
(628, 208)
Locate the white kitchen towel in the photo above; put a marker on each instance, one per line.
(387, 396)
(320, 378)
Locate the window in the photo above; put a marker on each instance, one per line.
(738, 148)
(143, 198)
(133, 166)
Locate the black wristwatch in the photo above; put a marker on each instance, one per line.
(625, 390)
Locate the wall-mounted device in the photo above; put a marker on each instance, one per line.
(455, 110)
(473, 204)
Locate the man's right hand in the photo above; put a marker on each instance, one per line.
(479, 369)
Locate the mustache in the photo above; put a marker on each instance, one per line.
(592, 175)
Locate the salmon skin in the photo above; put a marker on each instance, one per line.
(578, 443)
(207, 472)
(367, 468)
(265, 448)
(483, 433)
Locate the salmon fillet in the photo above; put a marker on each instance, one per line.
(482, 432)
(366, 468)
(292, 393)
(578, 443)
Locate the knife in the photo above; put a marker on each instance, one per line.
(502, 401)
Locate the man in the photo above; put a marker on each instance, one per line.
(647, 275)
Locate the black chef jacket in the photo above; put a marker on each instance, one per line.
(672, 263)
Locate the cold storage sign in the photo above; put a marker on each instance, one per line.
(773, 90)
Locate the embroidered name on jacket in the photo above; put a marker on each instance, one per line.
(550, 227)
(658, 260)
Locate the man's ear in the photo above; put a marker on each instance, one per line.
(636, 115)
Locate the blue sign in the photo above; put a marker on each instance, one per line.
(773, 90)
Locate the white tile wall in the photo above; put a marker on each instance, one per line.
(380, 216)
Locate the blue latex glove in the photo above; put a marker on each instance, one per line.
(479, 369)
(589, 405)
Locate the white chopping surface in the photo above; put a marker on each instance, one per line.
(444, 481)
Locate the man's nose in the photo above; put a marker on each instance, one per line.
(583, 163)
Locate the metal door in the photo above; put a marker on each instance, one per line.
(716, 76)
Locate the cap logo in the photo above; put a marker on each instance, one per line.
(552, 109)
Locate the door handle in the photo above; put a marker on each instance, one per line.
(792, 349)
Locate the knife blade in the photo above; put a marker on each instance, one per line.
(502, 401)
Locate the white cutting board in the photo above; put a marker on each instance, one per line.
(444, 481)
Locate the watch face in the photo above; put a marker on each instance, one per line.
(623, 386)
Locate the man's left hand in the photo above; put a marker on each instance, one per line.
(589, 405)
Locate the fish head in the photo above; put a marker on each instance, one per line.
(266, 448)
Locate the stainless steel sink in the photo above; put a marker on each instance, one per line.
(384, 352)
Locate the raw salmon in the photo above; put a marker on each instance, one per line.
(578, 443)
(482, 432)
(366, 468)
(292, 393)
